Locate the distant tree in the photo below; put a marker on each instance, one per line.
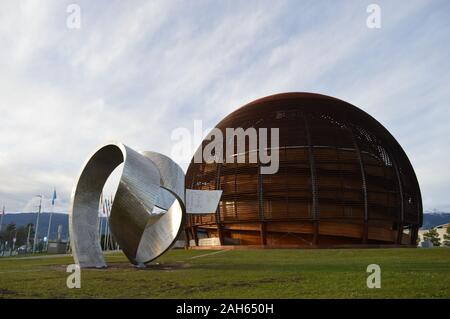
(40, 246)
(22, 234)
(3, 235)
(9, 234)
(11, 231)
(11, 227)
(433, 236)
(3, 239)
(447, 237)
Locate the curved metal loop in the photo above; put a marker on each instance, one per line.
(142, 234)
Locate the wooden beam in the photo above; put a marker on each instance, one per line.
(312, 167)
(195, 235)
(186, 233)
(365, 237)
(399, 234)
(316, 232)
(365, 233)
(220, 234)
(413, 235)
(263, 232)
(218, 219)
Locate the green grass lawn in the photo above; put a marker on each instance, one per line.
(338, 273)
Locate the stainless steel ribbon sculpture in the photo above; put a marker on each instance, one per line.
(149, 181)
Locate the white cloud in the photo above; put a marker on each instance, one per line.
(135, 72)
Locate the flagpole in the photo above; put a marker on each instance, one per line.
(110, 209)
(111, 238)
(28, 236)
(106, 223)
(1, 227)
(100, 228)
(50, 218)
(109, 230)
(101, 212)
(37, 224)
(1, 218)
(49, 226)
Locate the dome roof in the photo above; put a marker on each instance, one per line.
(336, 162)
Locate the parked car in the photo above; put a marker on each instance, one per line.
(23, 249)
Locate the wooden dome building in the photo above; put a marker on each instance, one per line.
(342, 180)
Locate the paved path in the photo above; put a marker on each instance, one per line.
(49, 256)
(209, 254)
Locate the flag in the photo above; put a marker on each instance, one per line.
(54, 197)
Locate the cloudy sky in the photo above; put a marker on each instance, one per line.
(136, 70)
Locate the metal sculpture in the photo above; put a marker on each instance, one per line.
(148, 210)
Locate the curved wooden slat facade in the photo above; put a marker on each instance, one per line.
(343, 180)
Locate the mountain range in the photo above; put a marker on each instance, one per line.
(23, 219)
(430, 219)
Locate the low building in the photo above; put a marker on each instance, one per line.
(441, 230)
(57, 247)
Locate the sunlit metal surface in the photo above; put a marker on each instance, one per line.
(141, 234)
(148, 209)
(202, 202)
(159, 235)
